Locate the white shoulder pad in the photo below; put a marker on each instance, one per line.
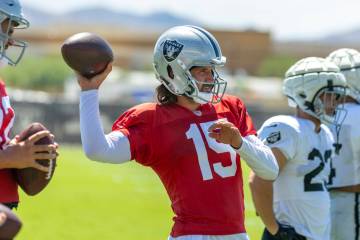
(281, 132)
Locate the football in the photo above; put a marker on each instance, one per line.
(87, 53)
(32, 180)
(10, 224)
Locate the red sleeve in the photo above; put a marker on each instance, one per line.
(246, 125)
(136, 125)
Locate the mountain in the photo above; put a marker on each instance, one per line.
(153, 21)
(347, 37)
(103, 16)
(37, 17)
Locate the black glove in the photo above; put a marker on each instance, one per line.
(287, 232)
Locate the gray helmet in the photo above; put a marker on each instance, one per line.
(178, 50)
(11, 10)
(307, 79)
(348, 60)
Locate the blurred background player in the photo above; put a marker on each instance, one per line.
(297, 204)
(191, 138)
(15, 154)
(344, 181)
(10, 224)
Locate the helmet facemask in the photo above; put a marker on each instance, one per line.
(353, 80)
(210, 92)
(334, 112)
(328, 105)
(11, 49)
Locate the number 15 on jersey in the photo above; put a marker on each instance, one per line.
(194, 133)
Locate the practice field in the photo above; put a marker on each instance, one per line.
(91, 201)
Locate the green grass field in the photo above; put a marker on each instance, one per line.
(91, 201)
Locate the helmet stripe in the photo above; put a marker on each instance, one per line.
(210, 39)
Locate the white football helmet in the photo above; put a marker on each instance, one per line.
(11, 10)
(177, 51)
(348, 60)
(307, 80)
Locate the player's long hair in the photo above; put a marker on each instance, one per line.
(164, 96)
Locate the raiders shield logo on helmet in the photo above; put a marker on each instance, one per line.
(171, 50)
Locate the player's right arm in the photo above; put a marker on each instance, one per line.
(111, 148)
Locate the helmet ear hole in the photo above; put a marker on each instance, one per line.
(170, 72)
(190, 90)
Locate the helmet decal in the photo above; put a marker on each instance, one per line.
(171, 50)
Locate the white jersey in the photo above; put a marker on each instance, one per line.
(345, 215)
(346, 164)
(300, 195)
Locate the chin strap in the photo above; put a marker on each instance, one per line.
(337, 145)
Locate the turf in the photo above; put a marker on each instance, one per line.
(91, 201)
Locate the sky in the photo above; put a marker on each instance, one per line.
(285, 19)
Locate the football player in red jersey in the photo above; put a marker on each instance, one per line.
(15, 154)
(192, 138)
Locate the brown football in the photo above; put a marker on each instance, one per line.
(32, 180)
(12, 224)
(87, 53)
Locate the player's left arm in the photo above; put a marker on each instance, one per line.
(257, 155)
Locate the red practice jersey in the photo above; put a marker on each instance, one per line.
(8, 185)
(202, 177)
